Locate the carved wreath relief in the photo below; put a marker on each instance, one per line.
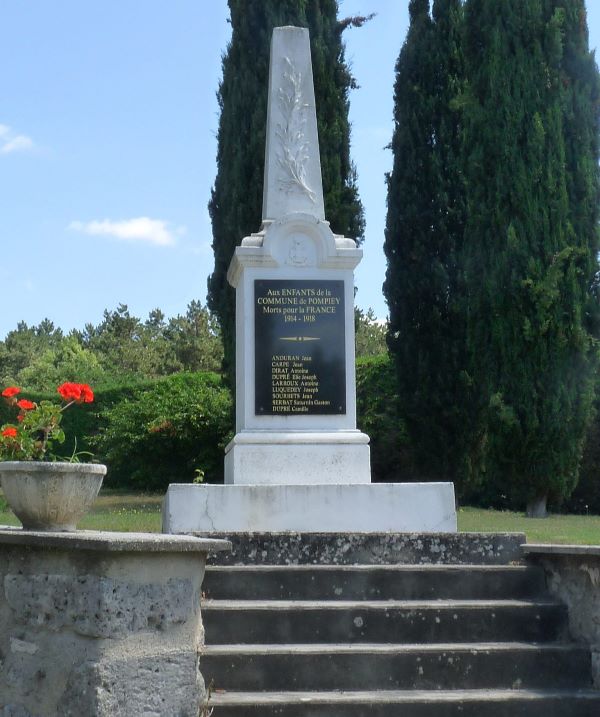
(292, 155)
(298, 254)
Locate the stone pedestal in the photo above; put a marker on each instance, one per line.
(305, 458)
(103, 624)
(295, 383)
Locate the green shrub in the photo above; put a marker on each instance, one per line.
(379, 416)
(166, 431)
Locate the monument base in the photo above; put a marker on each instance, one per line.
(299, 457)
(337, 508)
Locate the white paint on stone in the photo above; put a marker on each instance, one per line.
(352, 508)
(298, 458)
(295, 243)
(335, 258)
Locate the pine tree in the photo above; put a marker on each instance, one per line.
(236, 202)
(529, 261)
(425, 224)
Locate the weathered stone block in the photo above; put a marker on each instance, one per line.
(99, 606)
(161, 684)
(573, 575)
(101, 624)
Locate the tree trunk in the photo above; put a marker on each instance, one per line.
(536, 507)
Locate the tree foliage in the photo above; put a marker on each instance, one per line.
(381, 417)
(236, 201)
(425, 224)
(492, 241)
(529, 266)
(369, 334)
(120, 348)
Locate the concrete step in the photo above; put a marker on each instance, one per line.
(411, 703)
(373, 582)
(384, 621)
(370, 548)
(398, 667)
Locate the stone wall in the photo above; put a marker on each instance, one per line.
(573, 576)
(100, 624)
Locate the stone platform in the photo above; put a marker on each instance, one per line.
(325, 508)
(103, 624)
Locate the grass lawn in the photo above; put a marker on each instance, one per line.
(116, 510)
(570, 529)
(113, 510)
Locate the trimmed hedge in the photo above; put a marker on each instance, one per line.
(166, 432)
(379, 416)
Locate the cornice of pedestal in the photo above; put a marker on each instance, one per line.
(296, 241)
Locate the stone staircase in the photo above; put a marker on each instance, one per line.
(438, 630)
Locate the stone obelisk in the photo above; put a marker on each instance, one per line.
(295, 388)
(297, 461)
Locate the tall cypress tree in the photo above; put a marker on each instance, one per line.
(581, 129)
(528, 268)
(236, 202)
(425, 224)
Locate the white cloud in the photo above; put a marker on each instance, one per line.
(10, 141)
(144, 229)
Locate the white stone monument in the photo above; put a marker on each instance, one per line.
(297, 461)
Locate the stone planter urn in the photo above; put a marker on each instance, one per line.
(50, 496)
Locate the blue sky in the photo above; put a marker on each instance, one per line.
(108, 118)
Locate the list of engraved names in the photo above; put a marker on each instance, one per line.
(300, 356)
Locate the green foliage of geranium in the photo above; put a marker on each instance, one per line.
(34, 429)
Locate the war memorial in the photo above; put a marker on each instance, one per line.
(297, 461)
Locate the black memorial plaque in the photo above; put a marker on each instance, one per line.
(300, 357)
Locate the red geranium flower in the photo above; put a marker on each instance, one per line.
(9, 432)
(70, 391)
(10, 391)
(25, 405)
(87, 395)
(79, 392)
